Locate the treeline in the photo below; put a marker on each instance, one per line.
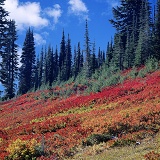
(136, 40)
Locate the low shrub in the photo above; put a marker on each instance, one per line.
(20, 150)
(123, 142)
(97, 139)
(152, 65)
(152, 156)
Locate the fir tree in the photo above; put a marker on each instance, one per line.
(36, 80)
(45, 71)
(3, 31)
(68, 59)
(62, 58)
(50, 66)
(109, 53)
(27, 69)
(40, 68)
(9, 68)
(93, 59)
(143, 51)
(3, 27)
(127, 22)
(55, 65)
(99, 58)
(87, 62)
(75, 68)
(157, 32)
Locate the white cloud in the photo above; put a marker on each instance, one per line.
(25, 14)
(78, 8)
(54, 12)
(39, 39)
(19, 56)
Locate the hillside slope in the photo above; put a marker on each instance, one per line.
(129, 111)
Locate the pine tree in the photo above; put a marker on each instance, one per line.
(27, 70)
(3, 27)
(109, 53)
(127, 22)
(93, 59)
(116, 61)
(3, 31)
(87, 62)
(62, 58)
(157, 32)
(143, 51)
(99, 58)
(45, 71)
(129, 55)
(75, 68)
(36, 80)
(40, 68)
(68, 59)
(9, 68)
(55, 65)
(50, 66)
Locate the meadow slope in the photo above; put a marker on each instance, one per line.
(130, 111)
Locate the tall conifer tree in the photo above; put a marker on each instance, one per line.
(55, 65)
(157, 32)
(143, 51)
(62, 58)
(27, 69)
(3, 27)
(9, 68)
(87, 50)
(68, 59)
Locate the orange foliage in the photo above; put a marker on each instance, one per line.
(127, 109)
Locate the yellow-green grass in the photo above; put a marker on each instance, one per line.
(133, 152)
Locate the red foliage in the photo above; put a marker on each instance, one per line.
(131, 107)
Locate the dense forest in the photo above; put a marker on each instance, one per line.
(136, 40)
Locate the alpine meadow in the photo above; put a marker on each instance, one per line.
(81, 102)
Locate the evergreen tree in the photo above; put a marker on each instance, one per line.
(62, 58)
(103, 56)
(75, 68)
(50, 66)
(9, 68)
(109, 53)
(116, 61)
(99, 58)
(143, 51)
(40, 68)
(157, 32)
(87, 62)
(3, 27)
(127, 22)
(27, 70)
(81, 61)
(55, 65)
(36, 80)
(45, 71)
(129, 55)
(68, 59)
(93, 59)
(78, 60)
(3, 30)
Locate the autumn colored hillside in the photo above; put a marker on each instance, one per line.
(49, 127)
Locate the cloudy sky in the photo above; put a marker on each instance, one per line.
(48, 18)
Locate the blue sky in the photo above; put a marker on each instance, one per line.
(48, 18)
